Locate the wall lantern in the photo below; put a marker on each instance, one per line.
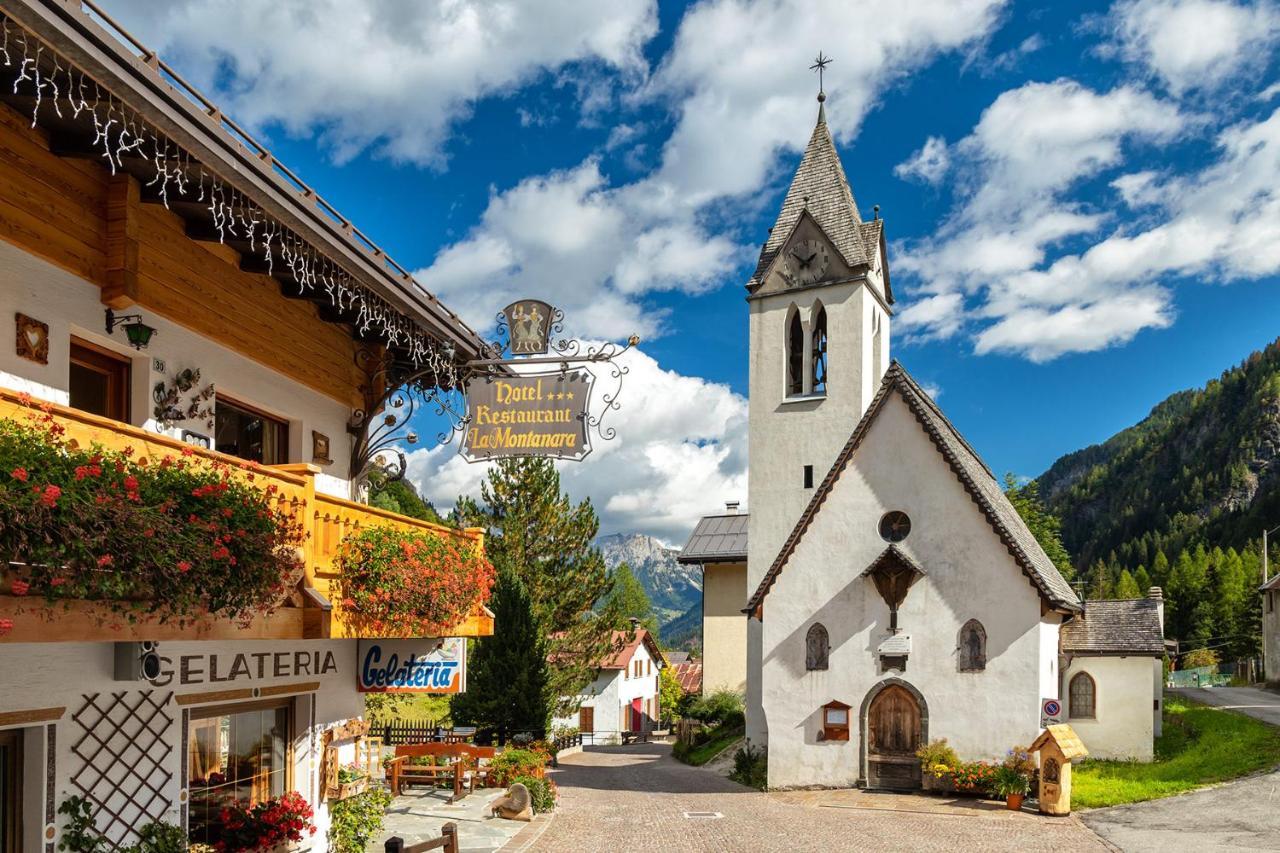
(138, 332)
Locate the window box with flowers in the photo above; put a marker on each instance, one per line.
(176, 539)
(409, 583)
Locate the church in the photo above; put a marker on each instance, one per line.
(892, 594)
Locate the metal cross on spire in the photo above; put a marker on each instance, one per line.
(820, 64)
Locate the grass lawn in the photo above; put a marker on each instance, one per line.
(1200, 745)
(721, 737)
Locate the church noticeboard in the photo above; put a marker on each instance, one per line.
(412, 666)
(543, 415)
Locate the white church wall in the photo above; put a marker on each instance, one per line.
(1123, 726)
(790, 433)
(968, 574)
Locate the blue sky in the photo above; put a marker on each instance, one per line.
(1081, 199)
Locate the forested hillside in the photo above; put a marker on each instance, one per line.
(1180, 501)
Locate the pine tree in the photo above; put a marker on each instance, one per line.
(507, 672)
(1142, 579)
(1043, 524)
(1127, 587)
(1160, 569)
(536, 533)
(630, 600)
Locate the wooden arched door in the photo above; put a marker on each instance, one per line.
(893, 736)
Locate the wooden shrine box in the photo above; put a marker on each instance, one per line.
(1057, 745)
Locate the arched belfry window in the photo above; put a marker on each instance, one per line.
(819, 339)
(795, 355)
(973, 647)
(817, 647)
(1084, 698)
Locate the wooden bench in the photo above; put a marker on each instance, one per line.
(460, 771)
(634, 737)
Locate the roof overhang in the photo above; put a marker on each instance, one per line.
(164, 100)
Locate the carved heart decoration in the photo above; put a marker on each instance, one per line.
(33, 337)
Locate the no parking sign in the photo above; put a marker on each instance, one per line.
(1050, 712)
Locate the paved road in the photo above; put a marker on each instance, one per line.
(635, 799)
(1263, 704)
(1242, 815)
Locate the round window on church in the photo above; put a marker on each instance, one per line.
(895, 526)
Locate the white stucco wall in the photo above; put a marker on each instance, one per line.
(72, 306)
(1123, 727)
(968, 574)
(610, 690)
(724, 629)
(789, 433)
(44, 675)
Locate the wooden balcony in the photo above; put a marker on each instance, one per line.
(309, 612)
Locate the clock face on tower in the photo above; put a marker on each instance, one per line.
(806, 261)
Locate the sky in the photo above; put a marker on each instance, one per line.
(1082, 200)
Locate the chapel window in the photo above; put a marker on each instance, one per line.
(973, 647)
(819, 339)
(1083, 696)
(795, 355)
(817, 648)
(895, 526)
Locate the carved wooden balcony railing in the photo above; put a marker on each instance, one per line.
(309, 612)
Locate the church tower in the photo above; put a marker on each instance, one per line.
(820, 305)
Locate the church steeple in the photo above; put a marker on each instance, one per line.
(821, 188)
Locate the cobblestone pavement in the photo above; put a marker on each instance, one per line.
(636, 798)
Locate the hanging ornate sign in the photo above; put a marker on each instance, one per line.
(530, 323)
(528, 415)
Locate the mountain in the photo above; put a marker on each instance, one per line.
(672, 588)
(1180, 500)
(1202, 468)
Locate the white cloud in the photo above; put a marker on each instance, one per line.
(597, 249)
(1015, 174)
(680, 452)
(929, 164)
(389, 76)
(1196, 44)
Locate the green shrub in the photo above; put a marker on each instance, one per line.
(716, 707)
(542, 793)
(355, 820)
(159, 838)
(512, 763)
(1007, 781)
(937, 757)
(751, 767)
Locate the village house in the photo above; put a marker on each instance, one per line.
(1270, 590)
(623, 698)
(719, 546)
(893, 594)
(173, 292)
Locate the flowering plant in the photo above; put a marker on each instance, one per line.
(266, 825)
(511, 763)
(178, 537)
(974, 776)
(410, 582)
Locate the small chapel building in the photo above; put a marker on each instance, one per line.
(893, 593)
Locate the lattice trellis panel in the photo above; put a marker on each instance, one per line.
(125, 755)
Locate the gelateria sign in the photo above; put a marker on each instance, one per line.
(542, 414)
(412, 666)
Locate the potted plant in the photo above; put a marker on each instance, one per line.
(938, 761)
(1011, 784)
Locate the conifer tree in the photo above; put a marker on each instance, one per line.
(1043, 524)
(1127, 587)
(1142, 579)
(630, 600)
(507, 672)
(536, 533)
(1160, 570)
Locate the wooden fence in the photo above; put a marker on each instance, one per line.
(448, 842)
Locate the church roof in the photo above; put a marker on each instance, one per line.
(1129, 626)
(820, 187)
(717, 539)
(973, 474)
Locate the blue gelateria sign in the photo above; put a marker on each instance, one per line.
(412, 666)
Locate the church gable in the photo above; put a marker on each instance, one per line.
(951, 457)
(807, 256)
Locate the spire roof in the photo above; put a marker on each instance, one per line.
(821, 187)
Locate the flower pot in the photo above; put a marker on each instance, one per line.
(935, 784)
(1014, 802)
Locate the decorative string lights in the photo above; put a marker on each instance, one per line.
(120, 134)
